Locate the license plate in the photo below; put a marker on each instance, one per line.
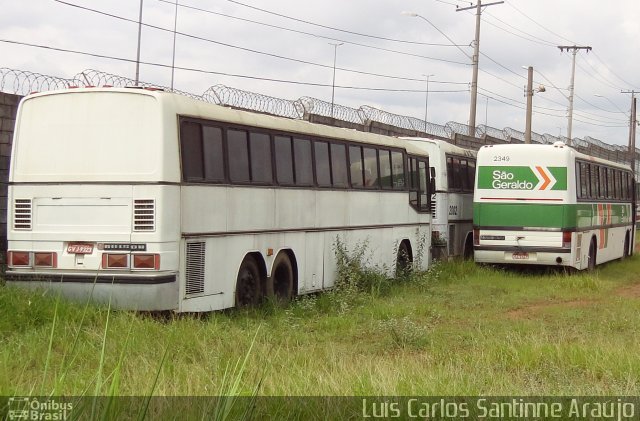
(79, 248)
(520, 255)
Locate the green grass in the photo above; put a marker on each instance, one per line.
(461, 329)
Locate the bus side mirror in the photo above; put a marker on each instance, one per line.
(432, 180)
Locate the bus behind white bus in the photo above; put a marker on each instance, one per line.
(550, 205)
(452, 199)
(155, 201)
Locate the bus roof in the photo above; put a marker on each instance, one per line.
(441, 144)
(185, 106)
(557, 147)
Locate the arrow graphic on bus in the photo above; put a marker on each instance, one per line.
(546, 180)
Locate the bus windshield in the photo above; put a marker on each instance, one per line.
(66, 138)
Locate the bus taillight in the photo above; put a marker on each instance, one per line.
(115, 261)
(20, 258)
(476, 237)
(45, 260)
(146, 261)
(566, 239)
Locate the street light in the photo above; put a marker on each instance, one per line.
(426, 102)
(333, 84)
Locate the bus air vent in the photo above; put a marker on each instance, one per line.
(195, 268)
(22, 214)
(144, 215)
(433, 206)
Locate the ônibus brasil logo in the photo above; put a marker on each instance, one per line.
(535, 177)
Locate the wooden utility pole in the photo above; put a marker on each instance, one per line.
(476, 54)
(575, 49)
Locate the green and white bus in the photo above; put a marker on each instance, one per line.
(550, 205)
(155, 201)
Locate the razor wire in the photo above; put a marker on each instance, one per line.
(490, 131)
(307, 106)
(404, 122)
(246, 100)
(21, 82)
(459, 128)
(91, 78)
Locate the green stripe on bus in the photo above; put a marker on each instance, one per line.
(550, 215)
(522, 178)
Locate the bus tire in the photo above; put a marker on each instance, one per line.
(625, 252)
(591, 265)
(248, 283)
(467, 252)
(280, 284)
(404, 259)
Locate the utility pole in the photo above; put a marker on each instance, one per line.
(575, 49)
(476, 55)
(632, 156)
(426, 102)
(173, 55)
(139, 38)
(333, 84)
(632, 131)
(527, 130)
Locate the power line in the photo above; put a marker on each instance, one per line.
(191, 69)
(541, 26)
(247, 49)
(325, 26)
(612, 72)
(528, 37)
(596, 75)
(320, 36)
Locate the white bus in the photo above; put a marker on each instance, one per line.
(156, 201)
(550, 205)
(452, 201)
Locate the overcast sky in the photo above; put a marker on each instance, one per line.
(290, 40)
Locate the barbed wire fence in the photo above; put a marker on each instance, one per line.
(21, 82)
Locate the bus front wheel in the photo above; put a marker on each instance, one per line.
(248, 284)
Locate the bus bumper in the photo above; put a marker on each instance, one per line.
(155, 292)
(524, 256)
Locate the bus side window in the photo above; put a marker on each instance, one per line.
(191, 148)
(397, 168)
(610, 184)
(303, 162)
(355, 166)
(212, 153)
(464, 175)
(284, 161)
(472, 174)
(414, 186)
(449, 173)
(238, 156)
(323, 169)
(370, 167)
(583, 180)
(602, 178)
(385, 168)
(593, 177)
(260, 151)
(423, 175)
(339, 165)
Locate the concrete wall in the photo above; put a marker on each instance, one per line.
(8, 110)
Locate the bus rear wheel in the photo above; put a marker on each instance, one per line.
(592, 256)
(403, 260)
(280, 285)
(625, 252)
(248, 283)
